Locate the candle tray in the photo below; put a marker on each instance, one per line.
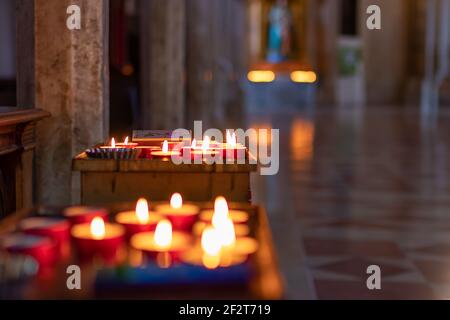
(258, 278)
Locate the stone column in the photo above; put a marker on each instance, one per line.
(323, 30)
(385, 52)
(199, 61)
(215, 61)
(162, 63)
(72, 83)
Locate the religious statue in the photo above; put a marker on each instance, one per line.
(279, 37)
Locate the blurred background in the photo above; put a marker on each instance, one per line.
(363, 119)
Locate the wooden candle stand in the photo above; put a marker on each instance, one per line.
(106, 181)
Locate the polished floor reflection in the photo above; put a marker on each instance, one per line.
(360, 187)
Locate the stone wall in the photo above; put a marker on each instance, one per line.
(72, 83)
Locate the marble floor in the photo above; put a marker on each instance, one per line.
(360, 187)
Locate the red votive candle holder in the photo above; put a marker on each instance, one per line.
(165, 152)
(227, 151)
(146, 151)
(231, 149)
(241, 229)
(98, 238)
(175, 145)
(182, 216)
(163, 242)
(55, 228)
(237, 216)
(138, 220)
(42, 249)
(198, 154)
(221, 212)
(200, 150)
(84, 214)
(129, 145)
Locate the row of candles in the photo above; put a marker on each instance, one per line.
(195, 149)
(172, 232)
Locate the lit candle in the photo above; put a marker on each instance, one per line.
(125, 150)
(222, 221)
(230, 244)
(222, 211)
(98, 237)
(199, 152)
(112, 146)
(162, 240)
(227, 235)
(84, 214)
(126, 144)
(241, 229)
(138, 220)
(176, 145)
(211, 248)
(182, 216)
(210, 252)
(165, 152)
(231, 149)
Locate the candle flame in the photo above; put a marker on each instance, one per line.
(113, 143)
(210, 241)
(231, 139)
(220, 211)
(163, 234)
(165, 147)
(193, 144)
(176, 201)
(226, 233)
(97, 228)
(142, 211)
(126, 140)
(205, 144)
(228, 135)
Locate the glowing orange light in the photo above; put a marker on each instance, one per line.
(261, 76)
(176, 201)
(97, 228)
(113, 143)
(226, 233)
(163, 234)
(142, 211)
(231, 139)
(303, 76)
(125, 141)
(228, 135)
(165, 147)
(220, 211)
(205, 144)
(210, 241)
(302, 140)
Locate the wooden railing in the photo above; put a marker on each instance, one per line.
(17, 144)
